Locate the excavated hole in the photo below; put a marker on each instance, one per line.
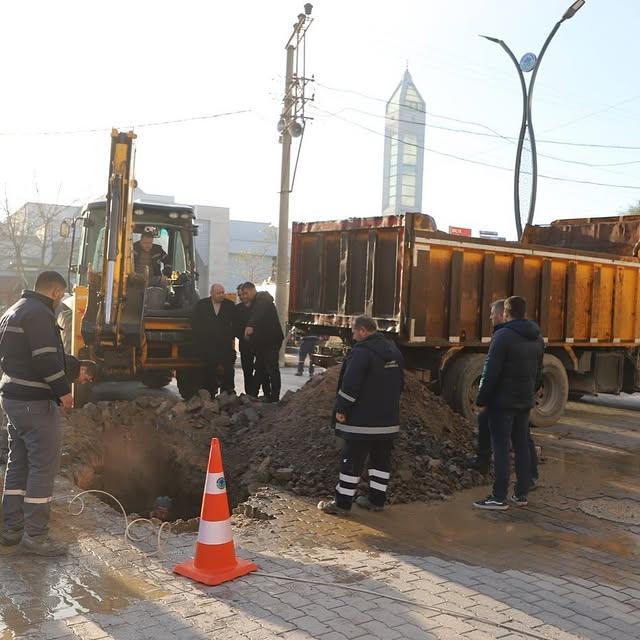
(138, 463)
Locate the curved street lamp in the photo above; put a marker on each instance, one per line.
(529, 62)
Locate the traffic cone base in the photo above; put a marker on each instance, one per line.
(212, 578)
(215, 558)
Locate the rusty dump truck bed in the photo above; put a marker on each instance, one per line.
(434, 289)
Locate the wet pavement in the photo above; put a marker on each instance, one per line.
(567, 566)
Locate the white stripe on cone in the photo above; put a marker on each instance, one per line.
(215, 532)
(215, 484)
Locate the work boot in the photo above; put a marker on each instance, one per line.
(330, 507)
(364, 503)
(42, 546)
(10, 537)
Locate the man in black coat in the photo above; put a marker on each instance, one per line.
(367, 416)
(265, 336)
(483, 458)
(512, 372)
(213, 331)
(33, 387)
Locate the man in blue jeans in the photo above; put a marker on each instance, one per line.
(512, 372)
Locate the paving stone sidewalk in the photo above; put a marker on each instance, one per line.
(335, 587)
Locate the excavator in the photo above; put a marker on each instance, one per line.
(133, 325)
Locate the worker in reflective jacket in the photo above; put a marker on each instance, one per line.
(34, 384)
(367, 416)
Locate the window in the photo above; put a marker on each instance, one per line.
(408, 201)
(410, 149)
(392, 202)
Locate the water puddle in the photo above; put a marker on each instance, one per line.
(37, 591)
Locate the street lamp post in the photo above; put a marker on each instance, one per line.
(529, 62)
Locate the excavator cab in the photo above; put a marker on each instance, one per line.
(131, 307)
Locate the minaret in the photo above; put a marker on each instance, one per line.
(403, 149)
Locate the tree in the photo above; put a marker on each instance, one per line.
(633, 210)
(29, 239)
(254, 263)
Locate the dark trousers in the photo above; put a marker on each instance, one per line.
(354, 454)
(306, 349)
(505, 425)
(35, 436)
(254, 377)
(219, 373)
(268, 370)
(484, 443)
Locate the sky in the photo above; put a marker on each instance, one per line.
(76, 66)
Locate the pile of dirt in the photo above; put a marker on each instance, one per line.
(151, 447)
(296, 445)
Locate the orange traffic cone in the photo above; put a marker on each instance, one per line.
(215, 560)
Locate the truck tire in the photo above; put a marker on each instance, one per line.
(551, 399)
(156, 378)
(189, 381)
(461, 381)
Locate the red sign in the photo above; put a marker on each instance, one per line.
(460, 231)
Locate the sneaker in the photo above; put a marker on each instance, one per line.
(42, 546)
(364, 503)
(298, 373)
(534, 484)
(491, 503)
(330, 507)
(10, 537)
(521, 501)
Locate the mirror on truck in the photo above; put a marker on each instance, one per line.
(65, 228)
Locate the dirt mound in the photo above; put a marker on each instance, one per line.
(296, 446)
(154, 447)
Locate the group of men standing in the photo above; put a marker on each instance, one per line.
(367, 409)
(253, 320)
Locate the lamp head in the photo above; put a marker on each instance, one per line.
(308, 8)
(573, 9)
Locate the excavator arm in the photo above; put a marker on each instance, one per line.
(113, 325)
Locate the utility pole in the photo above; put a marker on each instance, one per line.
(291, 125)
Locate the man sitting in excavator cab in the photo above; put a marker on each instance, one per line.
(147, 254)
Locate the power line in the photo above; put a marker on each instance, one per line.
(509, 139)
(479, 162)
(158, 123)
(484, 126)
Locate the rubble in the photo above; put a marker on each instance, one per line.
(143, 449)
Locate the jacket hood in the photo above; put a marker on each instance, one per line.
(382, 347)
(525, 328)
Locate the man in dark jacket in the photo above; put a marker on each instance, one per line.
(148, 255)
(213, 331)
(367, 416)
(483, 458)
(33, 384)
(264, 334)
(512, 372)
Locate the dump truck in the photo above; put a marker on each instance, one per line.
(432, 292)
(132, 327)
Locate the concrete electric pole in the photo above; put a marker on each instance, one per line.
(291, 125)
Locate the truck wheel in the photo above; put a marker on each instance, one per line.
(461, 381)
(156, 378)
(189, 381)
(551, 398)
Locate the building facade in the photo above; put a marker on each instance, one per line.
(403, 149)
